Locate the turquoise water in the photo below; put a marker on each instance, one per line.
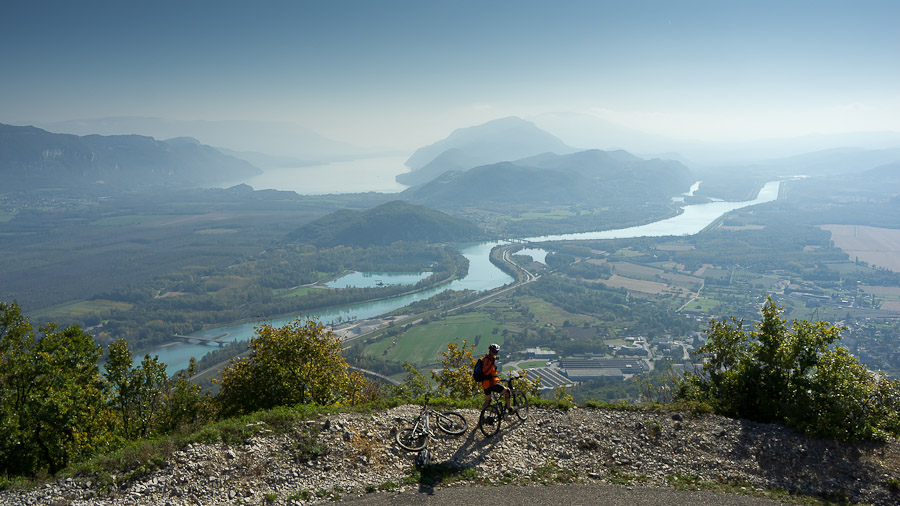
(373, 279)
(482, 276)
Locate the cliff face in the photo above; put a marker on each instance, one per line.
(577, 446)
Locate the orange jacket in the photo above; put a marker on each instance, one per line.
(489, 368)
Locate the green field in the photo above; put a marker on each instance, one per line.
(555, 214)
(422, 344)
(297, 292)
(79, 309)
(545, 313)
(703, 305)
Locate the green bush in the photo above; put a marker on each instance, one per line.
(792, 374)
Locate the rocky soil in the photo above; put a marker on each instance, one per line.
(580, 445)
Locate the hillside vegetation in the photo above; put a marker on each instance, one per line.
(383, 225)
(58, 408)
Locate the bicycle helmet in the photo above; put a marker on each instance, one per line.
(494, 348)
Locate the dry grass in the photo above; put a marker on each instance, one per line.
(882, 290)
(637, 285)
(876, 246)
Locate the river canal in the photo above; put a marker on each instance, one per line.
(482, 275)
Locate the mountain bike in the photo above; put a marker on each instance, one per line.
(493, 413)
(413, 436)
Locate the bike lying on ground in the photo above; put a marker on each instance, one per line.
(493, 413)
(413, 436)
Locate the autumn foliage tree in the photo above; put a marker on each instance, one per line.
(455, 378)
(299, 363)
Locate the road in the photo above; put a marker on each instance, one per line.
(569, 495)
(527, 278)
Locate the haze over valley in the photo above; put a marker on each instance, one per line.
(589, 185)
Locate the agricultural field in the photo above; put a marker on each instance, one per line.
(554, 214)
(884, 291)
(876, 246)
(299, 291)
(422, 344)
(79, 309)
(644, 286)
(132, 219)
(891, 305)
(631, 270)
(546, 313)
(703, 305)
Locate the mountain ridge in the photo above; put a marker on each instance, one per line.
(588, 177)
(500, 140)
(31, 157)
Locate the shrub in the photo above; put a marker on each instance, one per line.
(299, 363)
(792, 374)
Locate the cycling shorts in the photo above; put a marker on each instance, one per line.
(494, 388)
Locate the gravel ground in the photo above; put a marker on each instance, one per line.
(580, 446)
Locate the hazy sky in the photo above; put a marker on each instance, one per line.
(404, 74)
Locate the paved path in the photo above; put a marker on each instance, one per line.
(568, 495)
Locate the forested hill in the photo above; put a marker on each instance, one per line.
(385, 224)
(591, 177)
(33, 158)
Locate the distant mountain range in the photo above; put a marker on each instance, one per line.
(385, 224)
(591, 177)
(34, 158)
(266, 141)
(590, 131)
(500, 140)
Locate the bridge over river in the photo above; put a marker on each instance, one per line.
(203, 339)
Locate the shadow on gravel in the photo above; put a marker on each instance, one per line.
(462, 464)
(796, 462)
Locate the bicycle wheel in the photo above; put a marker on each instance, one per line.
(520, 404)
(451, 423)
(489, 421)
(411, 438)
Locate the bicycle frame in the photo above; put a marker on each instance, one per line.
(424, 417)
(415, 436)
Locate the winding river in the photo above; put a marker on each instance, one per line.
(482, 275)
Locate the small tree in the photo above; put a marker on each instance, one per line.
(415, 384)
(455, 378)
(298, 363)
(185, 403)
(52, 408)
(137, 392)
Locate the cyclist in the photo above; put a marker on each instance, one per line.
(492, 384)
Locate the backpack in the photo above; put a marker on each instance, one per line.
(477, 373)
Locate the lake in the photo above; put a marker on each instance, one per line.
(352, 176)
(373, 279)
